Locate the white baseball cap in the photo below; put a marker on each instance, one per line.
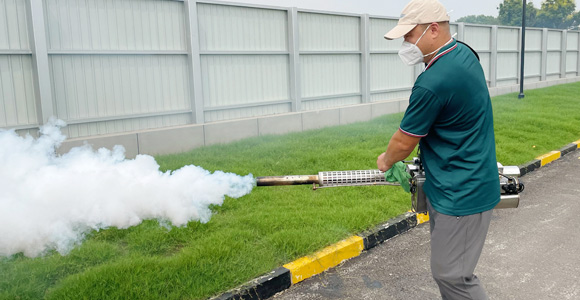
(418, 12)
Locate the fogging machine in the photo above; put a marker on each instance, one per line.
(508, 176)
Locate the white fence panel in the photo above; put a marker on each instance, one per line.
(389, 72)
(112, 66)
(508, 39)
(572, 41)
(386, 96)
(507, 68)
(553, 63)
(554, 40)
(479, 38)
(238, 80)
(554, 55)
(245, 112)
(377, 31)
(13, 25)
(572, 53)
(533, 58)
(329, 78)
(485, 60)
(389, 77)
(115, 25)
(508, 44)
(232, 28)
(572, 63)
(88, 128)
(325, 32)
(17, 95)
(454, 28)
(533, 40)
(17, 102)
(118, 65)
(533, 66)
(97, 86)
(244, 62)
(333, 102)
(330, 75)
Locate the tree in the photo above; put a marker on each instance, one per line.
(574, 21)
(556, 14)
(510, 13)
(479, 19)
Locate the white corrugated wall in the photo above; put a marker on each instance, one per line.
(553, 70)
(572, 53)
(118, 65)
(389, 77)
(244, 61)
(17, 99)
(508, 46)
(479, 38)
(330, 60)
(533, 58)
(126, 65)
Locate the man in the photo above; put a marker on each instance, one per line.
(450, 116)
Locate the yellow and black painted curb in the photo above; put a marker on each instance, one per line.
(547, 158)
(331, 256)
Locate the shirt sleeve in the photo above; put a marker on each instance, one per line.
(423, 109)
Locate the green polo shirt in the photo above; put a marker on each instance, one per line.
(450, 109)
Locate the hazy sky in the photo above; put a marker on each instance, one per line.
(460, 8)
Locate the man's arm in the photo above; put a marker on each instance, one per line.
(400, 146)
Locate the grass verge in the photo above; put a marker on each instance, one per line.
(252, 235)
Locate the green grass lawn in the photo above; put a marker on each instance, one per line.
(252, 235)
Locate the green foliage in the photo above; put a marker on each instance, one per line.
(556, 13)
(510, 13)
(552, 14)
(479, 19)
(271, 226)
(574, 21)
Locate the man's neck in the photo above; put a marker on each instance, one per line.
(440, 43)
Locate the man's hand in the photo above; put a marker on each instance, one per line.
(400, 146)
(382, 162)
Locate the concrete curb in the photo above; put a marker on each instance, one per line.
(331, 256)
(547, 158)
(260, 288)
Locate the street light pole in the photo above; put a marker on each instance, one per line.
(523, 50)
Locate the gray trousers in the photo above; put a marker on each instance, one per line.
(456, 244)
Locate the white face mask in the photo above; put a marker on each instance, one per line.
(411, 55)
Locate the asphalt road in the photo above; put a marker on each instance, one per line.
(531, 252)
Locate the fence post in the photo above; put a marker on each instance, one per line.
(578, 67)
(294, 61)
(493, 58)
(40, 64)
(194, 61)
(564, 52)
(544, 65)
(461, 31)
(365, 58)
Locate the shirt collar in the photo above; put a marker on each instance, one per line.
(446, 49)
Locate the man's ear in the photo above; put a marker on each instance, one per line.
(435, 29)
